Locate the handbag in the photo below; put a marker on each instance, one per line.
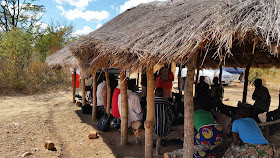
(87, 109)
(104, 123)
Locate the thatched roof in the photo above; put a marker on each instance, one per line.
(165, 31)
(62, 57)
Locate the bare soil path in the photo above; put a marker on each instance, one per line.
(27, 121)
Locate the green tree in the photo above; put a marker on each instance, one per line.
(53, 38)
(19, 13)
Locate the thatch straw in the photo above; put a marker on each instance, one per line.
(62, 57)
(165, 31)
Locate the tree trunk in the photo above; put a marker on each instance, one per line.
(189, 109)
(124, 108)
(149, 123)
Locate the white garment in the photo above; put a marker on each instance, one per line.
(134, 107)
(101, 94)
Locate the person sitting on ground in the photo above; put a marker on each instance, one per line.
(272, 116)
(202, 88)
(134, 106)
(101, 92)
(163, 115)
(164, 81)
(262, 100)
(115, 107)
(217, 90)
(208, 131)
(248, 140)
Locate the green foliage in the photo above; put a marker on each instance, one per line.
(261, 73)
(53, 38)
(24, 46)
(19, 13)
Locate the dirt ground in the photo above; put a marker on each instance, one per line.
(27, 121)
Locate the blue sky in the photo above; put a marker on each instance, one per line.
(85, 15)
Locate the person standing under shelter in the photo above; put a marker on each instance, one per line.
(163, 115)
(164, 81)
(134, 107)
(262, 100)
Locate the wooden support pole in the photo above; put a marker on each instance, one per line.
(197, 68)
(245, 88)
(149, 123)
(221, 74)
(74, 85)
(180, 80)
(189, 109)
(108, 92)
(124, 109)
(84, 91)
(94, 101)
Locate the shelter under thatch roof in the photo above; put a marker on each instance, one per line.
(62, 57)
(175, 30)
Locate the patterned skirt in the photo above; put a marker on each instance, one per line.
(251, 151)
(208, 135)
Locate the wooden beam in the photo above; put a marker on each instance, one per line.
(74, 85)
(149, 123)
(94, 101)
(124, 108)
(108, 92)
(84, 91)
(197, 68)
(189, 109)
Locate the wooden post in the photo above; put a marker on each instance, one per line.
(94, 102)
(189, 109)
(245, 88)
(149, 123)
(124, 108)
(180, 80)
(84, 91)
(74, 85)
(108, 92)
(197, 68)
(221, 74)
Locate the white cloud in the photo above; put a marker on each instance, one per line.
(81, 4)
(133, 3)
(42, 25)
(84, 31)
(98, 26)
(87, 15)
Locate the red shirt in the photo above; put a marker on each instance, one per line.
(165, 84)
(115, 107)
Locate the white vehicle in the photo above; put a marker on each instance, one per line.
(209, 75)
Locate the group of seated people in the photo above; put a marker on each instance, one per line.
(247, 137)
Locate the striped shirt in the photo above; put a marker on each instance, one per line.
(163, 117)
